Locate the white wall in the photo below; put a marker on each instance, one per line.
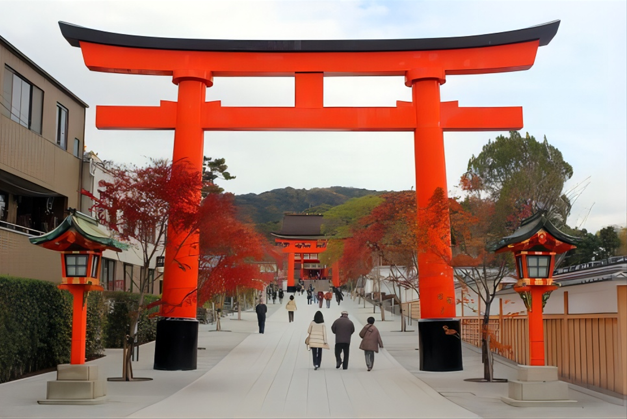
(597, 297)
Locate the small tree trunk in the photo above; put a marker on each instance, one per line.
(239, 306)
(486, 355)
(218, 326)
(127, 372)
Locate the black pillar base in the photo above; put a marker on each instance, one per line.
(176, 346)
(439, 351)
(291, 288)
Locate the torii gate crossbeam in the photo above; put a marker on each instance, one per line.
(424, 64)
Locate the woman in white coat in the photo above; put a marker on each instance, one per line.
(317, 338)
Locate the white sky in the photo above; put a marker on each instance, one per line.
(575, 94)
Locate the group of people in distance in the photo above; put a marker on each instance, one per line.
(273, 294)
(343, 328)
(319, 297)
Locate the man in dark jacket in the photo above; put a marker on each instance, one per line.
(343, 328)
(339, 296)
(261, 310)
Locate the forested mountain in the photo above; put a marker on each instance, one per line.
(268, 207)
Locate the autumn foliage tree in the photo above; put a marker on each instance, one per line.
(136, 205)
(229, 249)
(386, 235)
(473, 234)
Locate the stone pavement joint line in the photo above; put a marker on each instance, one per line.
(242, 374)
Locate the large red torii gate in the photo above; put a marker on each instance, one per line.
(424, 64)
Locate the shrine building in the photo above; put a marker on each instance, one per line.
(301, 239)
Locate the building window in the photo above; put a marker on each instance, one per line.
(151, 280)
(62, 126)
(538, 266)
(76, 265)
(128, 277)
(77, 148)
(22, 101)
(107, 278)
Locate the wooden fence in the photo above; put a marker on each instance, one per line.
(589, 350)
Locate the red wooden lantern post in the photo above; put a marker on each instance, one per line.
(81, 243)
(535, 245)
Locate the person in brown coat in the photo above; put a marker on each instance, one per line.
(370, 341)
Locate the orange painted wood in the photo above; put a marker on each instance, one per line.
(181, 256)
(290, 270)
(484, 60)
(79, 324)
(536, 326)
(336, 274)
(454, 118)
(309, 90)
(437, 290)
(307, 115)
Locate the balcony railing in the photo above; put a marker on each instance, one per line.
(20, 229)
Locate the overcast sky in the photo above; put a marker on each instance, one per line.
(575, 94)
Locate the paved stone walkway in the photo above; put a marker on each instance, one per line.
(242, 374)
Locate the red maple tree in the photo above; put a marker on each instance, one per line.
(230, 251)
(473, 234)
(137, 204)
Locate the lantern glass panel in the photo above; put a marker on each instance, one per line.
(520, 267)
(538, 266)
(76, 265)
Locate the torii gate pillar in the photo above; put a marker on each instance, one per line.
(178, 330)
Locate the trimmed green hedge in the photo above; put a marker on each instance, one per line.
(118, 319)
(36, 325)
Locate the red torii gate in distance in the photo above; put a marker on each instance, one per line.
(300, 234)
(424, 64)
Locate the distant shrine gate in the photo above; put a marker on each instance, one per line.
(424, 64)
(300, 237)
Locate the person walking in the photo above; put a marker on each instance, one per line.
(320, 298)
(370, 342)
(308, 297)
(281, 295)
(343, 328)
(328, 297)
(261, 310)
(317, 338)
(291, 308)
(274, 294)
(339, 296)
